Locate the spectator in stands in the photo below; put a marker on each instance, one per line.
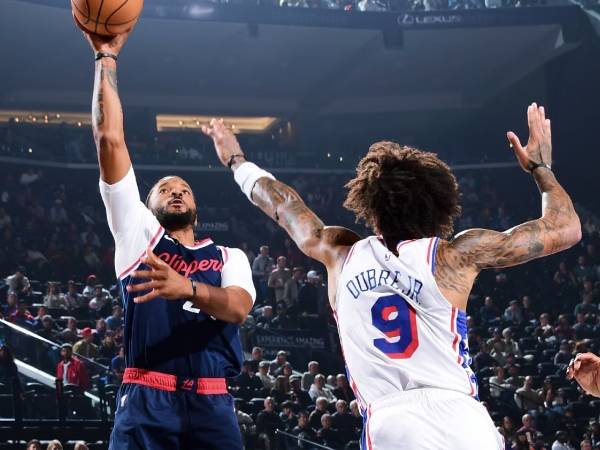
(527, 425)
(545, 323)
(73, 299)
(498, 382)
(89, 289)
(19, 283)
(526, 397)
(287, 416)
(590, 288)
(321, 405)
(282, 319)
(586, 306)
(507, 429)
(483, 358)
(85, 346)
(278, 362)
(488, 313)
(12, 304)
(514, 379)
(308, 377)
(318, 389)
(304, 431)
(80, 445)
(287, 370)
(108, 348)
(57, 213)
(528, 309)
(249, 385)
(513, 314)
(264, 321)
(278, 277)
(9, 376)
(312, 294)
(117, 365)
(298, 396)
(292, 288)
(562, 441)
(100, 331)
(328, 435)
(586, 444)
(582, 328)
(70, 332)
(100, 302)
(245, 423)
(343, 421)
(70, 370)
(511, 346)
(583, 271)
(48, 330)
(263, 374)
(257, 357)
(342, 390)
(116, 319)
(280, 390)
(267, 421)
(563, 329)
(54, 299)
(22, 317)
(34, 444)
(89, 237)
(261, 269)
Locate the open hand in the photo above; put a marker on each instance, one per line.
(226, 144)
(164, 281)
(585, 368)
(539, 145)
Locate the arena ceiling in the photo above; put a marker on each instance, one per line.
(191, 57)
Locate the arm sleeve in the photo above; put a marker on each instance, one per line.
(132, 225)
(236, 271)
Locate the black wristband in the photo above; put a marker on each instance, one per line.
(100, 55)
(533, 165)
(232, 158)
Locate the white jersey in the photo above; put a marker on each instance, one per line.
(397, 330)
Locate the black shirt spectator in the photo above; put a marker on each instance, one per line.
(488, 313)
(267, 421)
(327, 435)
(282, 319)
(343, 421)
(304, 430)
(248, 383)
(342, 389)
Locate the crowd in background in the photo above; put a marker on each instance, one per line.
(524, 323)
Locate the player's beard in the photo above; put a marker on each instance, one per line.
(176, 221)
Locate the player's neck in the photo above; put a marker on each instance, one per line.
(184, 236)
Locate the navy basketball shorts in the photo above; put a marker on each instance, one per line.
(156, 411)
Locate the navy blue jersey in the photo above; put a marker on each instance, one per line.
(172, 336)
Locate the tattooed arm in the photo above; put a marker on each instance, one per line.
(461, 259)
(107, 115)
(328, 245)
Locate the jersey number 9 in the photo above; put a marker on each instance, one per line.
(397, 319)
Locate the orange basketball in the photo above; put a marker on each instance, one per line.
(106, 17)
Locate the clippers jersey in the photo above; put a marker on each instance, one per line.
(397, 330)
(172, 336)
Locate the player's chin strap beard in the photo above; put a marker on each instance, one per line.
(176, 221)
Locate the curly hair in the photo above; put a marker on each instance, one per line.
(403, 193)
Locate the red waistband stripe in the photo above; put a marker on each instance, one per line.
(172, 383)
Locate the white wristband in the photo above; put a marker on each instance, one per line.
(246, 176)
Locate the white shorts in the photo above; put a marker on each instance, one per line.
(430, 419)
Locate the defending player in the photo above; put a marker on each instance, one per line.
(400, 297)
(182, 336)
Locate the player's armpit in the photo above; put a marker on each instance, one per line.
(284, 205)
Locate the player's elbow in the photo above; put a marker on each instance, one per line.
(107, 141)
(238, 317)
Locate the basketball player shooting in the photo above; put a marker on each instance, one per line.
(400, 296)
(183, 299)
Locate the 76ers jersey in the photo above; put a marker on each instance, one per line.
(397, 330)
(172, 336)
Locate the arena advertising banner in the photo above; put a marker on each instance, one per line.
(301, 345)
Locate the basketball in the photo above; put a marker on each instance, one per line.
(106, 17)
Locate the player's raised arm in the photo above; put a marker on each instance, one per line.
(327, 244)
(107, 114)
(557, 229)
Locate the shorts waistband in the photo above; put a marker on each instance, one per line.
(172, 383)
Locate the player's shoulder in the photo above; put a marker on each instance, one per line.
(233, 253)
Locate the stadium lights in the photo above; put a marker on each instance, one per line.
(255, 125)
(46, 117)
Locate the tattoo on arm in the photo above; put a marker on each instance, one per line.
(284, 205)
(108, 74)
(459, 260)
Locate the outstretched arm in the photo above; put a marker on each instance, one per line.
(285, 206)
(558, 228)
(107, 114)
